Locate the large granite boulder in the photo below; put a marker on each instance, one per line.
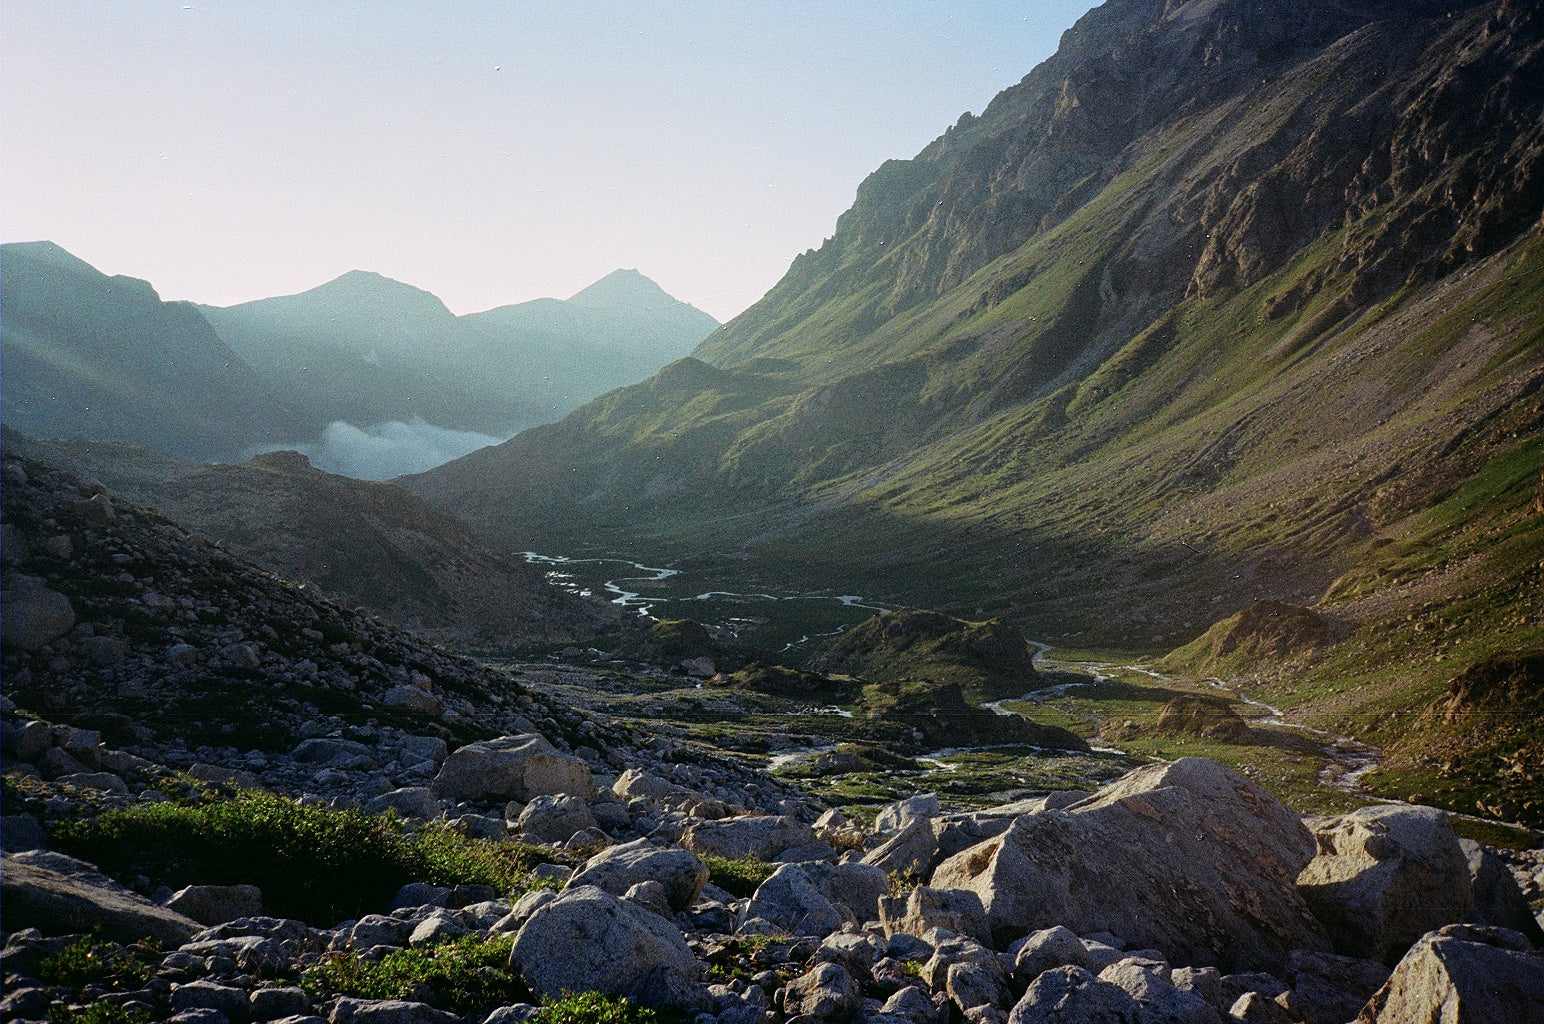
(31, 615)
(1384, 876)
(1070, 995)
(761, 836)
(619, 868)
(1189, 858)
(791, 902)
(1498, 900)
(1463, 974)
(512, 768)
(59, 895)
(589, 940)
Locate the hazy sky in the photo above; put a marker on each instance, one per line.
(490, 152)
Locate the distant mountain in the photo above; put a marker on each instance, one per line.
(88, 355)
(366, 349)
(1227, 301)
(368, 544)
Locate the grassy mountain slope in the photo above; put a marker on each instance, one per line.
(1221, 304)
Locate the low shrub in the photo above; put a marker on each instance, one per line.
(91, 961)
(312, 863)
(98, 1013)
(462, 975)
(594, 1008)
(738, 876)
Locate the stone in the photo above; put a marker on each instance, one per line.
(855, 952)
(1254, 1008)
(897, 816)
(909, 853)
(1147, 981)
(649, 895)
(911, 1003)
(379, 930)
(437, 927)
(216, 904)
(1189, 858)
(554, 819)
(512, 768)
(1045, 949)
(425, 748)
(388, 1011)
(412, 802)
(524, 907)
(1330, 989)
(1070, 995)
(857, 888)
(273, 1003)
(102, 782)
(635, 783)
(957, 911)
(760, 836)
(973, 984)
(1205, 982)
(1384, 876)
(1497, 898)
(27, 740)
(790, 901)
(618, 868)
(209, 995)
(826, 993)
(31, 615)
(1460, 974)
(411, 698)
(37, 894)
(589, 940)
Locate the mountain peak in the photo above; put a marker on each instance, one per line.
(366, 286)
(624, 288)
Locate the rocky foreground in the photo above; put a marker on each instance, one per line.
(148, 669)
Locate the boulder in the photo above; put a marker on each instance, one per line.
(1254, 1008)
(618, 868)
(61, 896)
(909, 853)
(1460, 974)
(1161, 1000)
(855, 887)
(554, 819)
(589, 940)
(1043, 950)
(957, 911)
(760, 836)
(970, 985)
(634, 783)
(1330, 989)
(512, 768)
(826, 993)
(896, 816)
(1188, 858)
(31, 615)
(209, 995)
(1384, 876)
(789, 900)
(412, 802)
(216, 904)
(1497, 898)
(387, 1011)
(1070, 995)
(411, 698)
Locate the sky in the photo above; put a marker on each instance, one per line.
(490, 152)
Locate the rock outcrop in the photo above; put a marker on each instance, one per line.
(1188, 858)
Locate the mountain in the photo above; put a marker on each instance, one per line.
(366, 349)
(86, 354)
(1225, 302)
(371, 545)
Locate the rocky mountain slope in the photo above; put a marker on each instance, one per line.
(87, 355)
(1223, 303)
(371, 545)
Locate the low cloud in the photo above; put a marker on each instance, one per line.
(386, 450)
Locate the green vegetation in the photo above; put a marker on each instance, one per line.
(98, 1013)
(314, 864)
(462, 975)
(738, 876)
(92, 961)
(985, 660)
(594, 1008)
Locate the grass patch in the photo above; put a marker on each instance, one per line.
(594, 1008)
(91, 961)
(462, 975)
(97, 1013)
(314, 864)
(738, 876)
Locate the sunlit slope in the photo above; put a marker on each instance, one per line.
(1139, 345)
